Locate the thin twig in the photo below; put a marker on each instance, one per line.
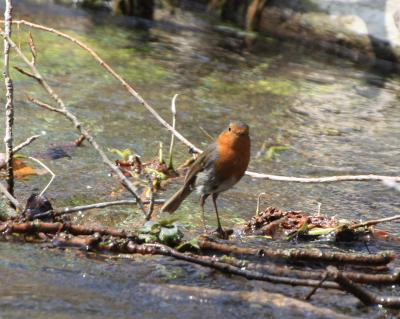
(27, 142)
(24, 72)
(102, 63)
(206, 133)
(71, 210)
(171, 146)
(258, 202)
(365, 296)
(32, 47)
(10, 197)
(47, 169)
(125, 182)
(9, 107)
(391, 184)
(374, 222)
(68, 210)
(327, 179)
(135, 94)
(151, 206)
(314, 290)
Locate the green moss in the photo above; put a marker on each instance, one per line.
(278, 87)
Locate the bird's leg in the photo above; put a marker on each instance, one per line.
(203, 198)
(219, 229)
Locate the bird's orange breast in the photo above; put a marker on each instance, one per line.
(233, 155)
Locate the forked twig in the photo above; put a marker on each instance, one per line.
(27, 142)
(47, 169)
(63, 110)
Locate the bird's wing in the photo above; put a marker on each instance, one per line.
(201, 162)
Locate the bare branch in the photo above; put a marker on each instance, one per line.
(63, 110)
(10, 197)
(27, 142)
(24, 72)
(32, 47)
(125, 182)
(329, 179)
(374, 222)
(125, 84)
(68, 210)
(9, 107)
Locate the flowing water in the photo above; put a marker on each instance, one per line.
(334, 117)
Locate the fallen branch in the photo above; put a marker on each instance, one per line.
(374, 279)
(54, 228)
(131, 247)
(90, 238)
(314, 255)
(27, 142)
(140, 99)
(364, 295)
(9, 107)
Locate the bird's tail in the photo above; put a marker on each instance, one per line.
(175, 201)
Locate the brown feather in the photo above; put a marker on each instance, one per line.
(199, 164)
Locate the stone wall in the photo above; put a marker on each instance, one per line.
(360, 29)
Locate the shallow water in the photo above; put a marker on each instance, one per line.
(335, 117)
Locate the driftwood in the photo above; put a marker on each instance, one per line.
(367, 297)
(313, 255)
(364, 278)
(116, 241)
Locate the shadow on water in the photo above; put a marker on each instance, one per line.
(333, 121)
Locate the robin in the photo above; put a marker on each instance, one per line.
(216, 170)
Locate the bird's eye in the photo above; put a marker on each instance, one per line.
(229, 129)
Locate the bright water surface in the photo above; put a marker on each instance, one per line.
(336, 117)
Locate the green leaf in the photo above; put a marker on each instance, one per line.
(123, 154)
(168, 222)
(147, 238)
(192, 244)
(273, 151)
(157, 174)
(321, 231)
